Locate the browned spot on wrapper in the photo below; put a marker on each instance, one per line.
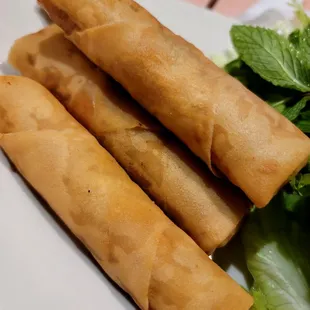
(166, 298)
(82, 106)
(119, 242)
(57, 84)
(143, 182)
(7, 125)
(80, 215)
(78, 218)
(93, 168)
(31, 58)
(52, 77)
(135, 7)
(60, 17)
(112, 258)
(71, 50)
(166, 257)
(269, 166)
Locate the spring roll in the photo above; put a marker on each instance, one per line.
(134, 242)
(208, 209)
(221, 121)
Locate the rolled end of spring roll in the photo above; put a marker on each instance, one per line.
(208, 209)
(221, 121)
(130, 237)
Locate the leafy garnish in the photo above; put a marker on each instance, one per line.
(305, 115)
(276, 96)
(300, 184)
(271, 56)
(293, 112)
(293, 201)
(300, 13)
(301, 41)
(304, 43)
(304, 125)
(294, 38)
(277, 255)
(278, 102)
(276, 238)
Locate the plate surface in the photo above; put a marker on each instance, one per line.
(41, 267)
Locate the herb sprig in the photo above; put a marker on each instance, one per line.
(276, 238)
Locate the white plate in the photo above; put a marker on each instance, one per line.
(40, 265)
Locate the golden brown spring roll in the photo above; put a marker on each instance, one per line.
(135, 243)
(208, 209)
(221, 121)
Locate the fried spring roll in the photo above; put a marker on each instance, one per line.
(130, 237)
(208, 209)
(221, 121)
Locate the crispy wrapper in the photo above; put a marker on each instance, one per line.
(221, 121)
(208, 209)
(135, 243)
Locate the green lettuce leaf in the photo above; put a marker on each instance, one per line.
(271, 56)
(277, 253)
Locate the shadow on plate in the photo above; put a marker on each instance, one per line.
(42, 15)
(7, 69)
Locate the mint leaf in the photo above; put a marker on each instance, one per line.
(300, 13)
(293, 112)
(271, 56)
(294, 38)
(305, 115)
(236, 69)
(304, 43)
(280, 104)
(292, 201)
(304, 180)
(303, 125)
(300, 182)
(276, 96)
(234, 66)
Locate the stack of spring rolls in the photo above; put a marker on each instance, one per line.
(221, 121)
(207, 208)
(131, 238)
(235, 133)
